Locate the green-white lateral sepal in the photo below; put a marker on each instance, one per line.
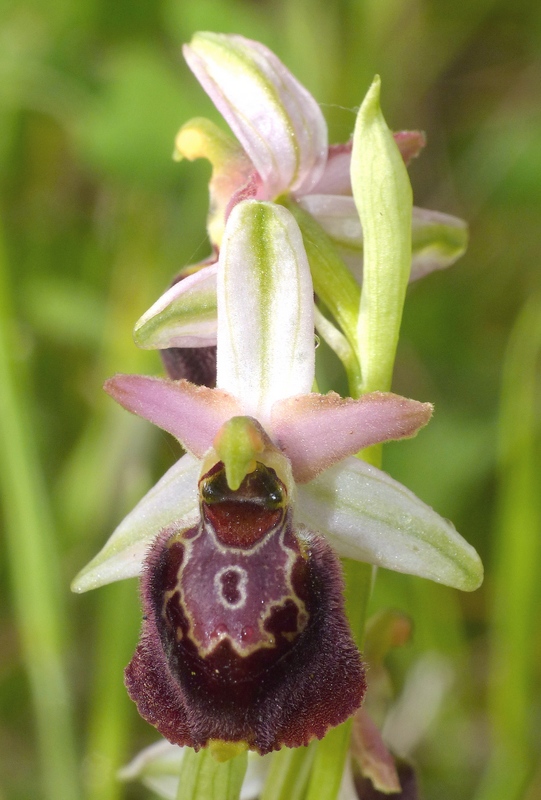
(383, 197)
(438, 240)
(266, 348)
(184, 316)
(157, 767)
(172, 500)
(368, 516)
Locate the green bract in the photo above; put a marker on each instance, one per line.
(383, 197)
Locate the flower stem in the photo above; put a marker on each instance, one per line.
(289, 773)
(204, 778)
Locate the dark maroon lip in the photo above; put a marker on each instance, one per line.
(244, 645)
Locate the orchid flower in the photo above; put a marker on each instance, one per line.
(280, 152)
(238, 541)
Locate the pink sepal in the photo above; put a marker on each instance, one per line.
(316, 431)
(193, 414)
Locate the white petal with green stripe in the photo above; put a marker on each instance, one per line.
(265, 309)
(368, 516)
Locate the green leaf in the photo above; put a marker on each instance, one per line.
(383, 197)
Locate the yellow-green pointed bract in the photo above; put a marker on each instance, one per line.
(383, 197)
(237, 444)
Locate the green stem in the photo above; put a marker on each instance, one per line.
(331, 754)
(289, 773)
(34, 567)
(202, 777)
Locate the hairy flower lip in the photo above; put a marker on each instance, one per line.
(277, 692)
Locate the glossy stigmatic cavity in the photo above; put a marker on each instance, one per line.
(245, 637)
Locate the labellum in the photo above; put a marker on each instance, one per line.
(245, 639)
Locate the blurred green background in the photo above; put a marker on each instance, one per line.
(96, 219)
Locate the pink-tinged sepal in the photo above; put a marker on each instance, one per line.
(245, 638)
(336, 177)
(193, 414)
(316, 431)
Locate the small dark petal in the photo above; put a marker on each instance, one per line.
(194, 364)
(249, 645)
(408, 783)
